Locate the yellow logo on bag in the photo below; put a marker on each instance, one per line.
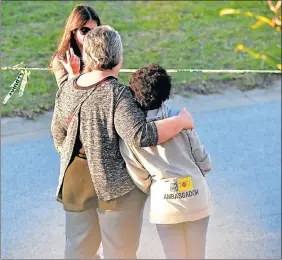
(185, 184)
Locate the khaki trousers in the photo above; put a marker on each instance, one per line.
(118, 230)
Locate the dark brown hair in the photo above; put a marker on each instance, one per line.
(79, 16)
(151, 86)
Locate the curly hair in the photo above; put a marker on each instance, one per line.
(151, 86)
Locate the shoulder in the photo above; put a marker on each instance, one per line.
(122, 90)
(169, 111)
(173, 111)
(66, 89)
(57, 65)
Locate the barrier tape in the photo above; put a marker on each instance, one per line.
(170, 70)
(23, 75)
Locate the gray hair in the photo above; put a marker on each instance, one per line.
(102, 48)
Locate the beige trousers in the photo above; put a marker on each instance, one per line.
(185, 240)
(118, 230)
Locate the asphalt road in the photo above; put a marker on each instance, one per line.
(243, 137)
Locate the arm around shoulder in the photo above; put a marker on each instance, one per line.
(131, 124)
(130, 121)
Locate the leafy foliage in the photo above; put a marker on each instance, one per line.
(274, 23)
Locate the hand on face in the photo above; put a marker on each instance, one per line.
(72, 64)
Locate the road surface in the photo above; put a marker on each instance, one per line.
(242, 134)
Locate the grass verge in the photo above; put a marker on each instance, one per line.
(176, 34)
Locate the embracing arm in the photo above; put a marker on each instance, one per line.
(170, 127)
(130, 123)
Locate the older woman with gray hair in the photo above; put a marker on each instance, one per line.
(92, 111)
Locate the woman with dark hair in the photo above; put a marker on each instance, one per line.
(68, 56)
(92, 111)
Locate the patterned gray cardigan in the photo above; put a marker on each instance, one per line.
(108, 113)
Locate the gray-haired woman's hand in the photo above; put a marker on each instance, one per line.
(186, 119)
(170, 127)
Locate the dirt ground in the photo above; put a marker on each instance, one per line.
(243, 83)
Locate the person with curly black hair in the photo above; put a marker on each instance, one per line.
(151, 86)
(173, 171)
